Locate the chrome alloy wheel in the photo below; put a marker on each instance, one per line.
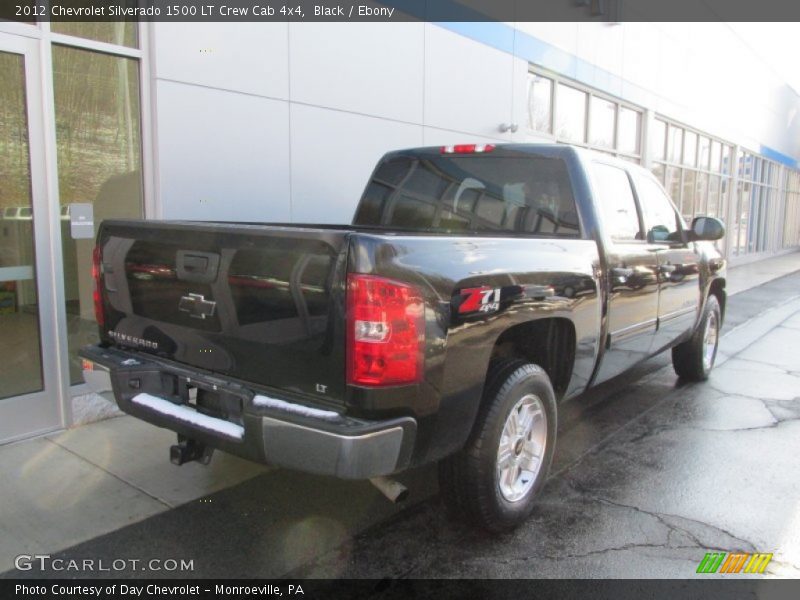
(710, 339)
(522, 447)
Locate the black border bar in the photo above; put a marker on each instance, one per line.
(440, 589)
(610, 11)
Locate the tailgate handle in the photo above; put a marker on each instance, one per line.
(195, 264)
(198, 267)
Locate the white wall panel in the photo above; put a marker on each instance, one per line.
(333, 155)
(519, 99)
(370, 68)
(222, 155)
(601, 44)
(467, 84)
(245, 57)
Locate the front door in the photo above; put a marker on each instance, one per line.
(678, 264)
(631, 274)
(29, 377)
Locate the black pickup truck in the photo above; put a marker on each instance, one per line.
(478, 287)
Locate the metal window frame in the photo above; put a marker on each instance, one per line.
(46, 38)
(590, 92)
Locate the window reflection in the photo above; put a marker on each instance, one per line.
(602, 122)
(690, 148)
(703, 151)
(630, 126)
(121, 33)
(99, 162)
(21, 367)
(674, 143)
(540, 107)
(571, 114)
(658, 140)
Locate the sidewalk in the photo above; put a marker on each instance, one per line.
(754, 274)
(72, 486)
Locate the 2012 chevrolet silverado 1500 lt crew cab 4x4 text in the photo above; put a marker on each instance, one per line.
(478, 287)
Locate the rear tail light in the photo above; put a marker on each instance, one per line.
(385, 331)
(467, 149)
(97, 275)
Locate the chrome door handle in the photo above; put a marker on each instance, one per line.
(621, 274)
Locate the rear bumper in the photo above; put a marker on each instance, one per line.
(268, 429)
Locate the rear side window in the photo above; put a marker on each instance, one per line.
(522, 194)
(616, 202)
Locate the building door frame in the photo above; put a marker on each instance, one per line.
(42, 411)
(52, 409)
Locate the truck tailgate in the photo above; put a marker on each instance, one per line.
(259, 303)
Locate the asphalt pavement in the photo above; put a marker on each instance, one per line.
(650, 474)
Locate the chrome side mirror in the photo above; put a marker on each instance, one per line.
(707, 229)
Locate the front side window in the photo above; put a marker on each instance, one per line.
(451, 193)
(616, 202)
(661, 222)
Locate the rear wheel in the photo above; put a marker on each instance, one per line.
(493, 481)
(694, 358)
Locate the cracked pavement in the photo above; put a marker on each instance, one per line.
(650, 474)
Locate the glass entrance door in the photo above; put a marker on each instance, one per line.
(29, 382)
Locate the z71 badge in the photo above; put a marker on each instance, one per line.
(481, 299)
(484, 300)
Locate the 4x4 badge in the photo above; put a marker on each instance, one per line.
(197, 306)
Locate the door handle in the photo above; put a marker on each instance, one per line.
(621, 274)
(196, 266)
(667, 269)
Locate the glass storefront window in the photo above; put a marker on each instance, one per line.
(540, 103)
(658, 171)
(21, 367)
(122, 33)
(672, 183)
(703, 152)
(701, 194)
(712, 209)
(629, 131)
(716, 152)
(571, 114)
(726, 159)
(674, 144)
(602, 116)
(98, 135)
(688, 195)
(690, 148)
(658, 138)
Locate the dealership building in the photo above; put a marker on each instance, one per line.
(284, 122)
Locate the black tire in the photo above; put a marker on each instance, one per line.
(468, 480)
(689, 357)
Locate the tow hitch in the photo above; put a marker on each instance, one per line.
(187, 450)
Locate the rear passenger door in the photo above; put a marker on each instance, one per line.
(631, 279)
(678, 263)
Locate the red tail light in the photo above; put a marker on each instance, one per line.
(385, 331)
(97, 275)
(467, 149)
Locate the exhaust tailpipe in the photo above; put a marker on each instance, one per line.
(392, 489)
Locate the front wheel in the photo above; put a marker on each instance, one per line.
(493, 481)
(694, 358)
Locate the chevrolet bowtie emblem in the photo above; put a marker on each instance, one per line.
(197, 306)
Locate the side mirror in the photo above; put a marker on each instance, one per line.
(707, 229)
